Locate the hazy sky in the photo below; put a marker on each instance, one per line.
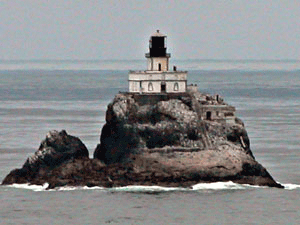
(91, 29)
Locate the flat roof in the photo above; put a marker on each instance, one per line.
(155, 71)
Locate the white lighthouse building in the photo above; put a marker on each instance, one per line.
(157, 79)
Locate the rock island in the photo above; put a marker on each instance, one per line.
(161, 132)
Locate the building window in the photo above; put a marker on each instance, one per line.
(159, 67)
(150, 87)
(163, 87)
(176, 87)
(208, 115)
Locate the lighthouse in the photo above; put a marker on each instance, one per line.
(157, 79)
(158, 58)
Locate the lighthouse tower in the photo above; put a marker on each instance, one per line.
(158, 58)
(157, 79)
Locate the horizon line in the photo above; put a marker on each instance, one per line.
(179, 59)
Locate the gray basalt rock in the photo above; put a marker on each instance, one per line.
(167, 142)
(150, 140)
(58, 148)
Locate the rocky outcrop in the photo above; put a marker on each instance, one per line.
(167, 141)
(58, 148)
(132, 126)
(150, 140)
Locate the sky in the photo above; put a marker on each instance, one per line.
(110, 29)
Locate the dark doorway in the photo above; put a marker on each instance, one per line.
(163, 87)
(141, 87)
(159, 67)
(208, 115)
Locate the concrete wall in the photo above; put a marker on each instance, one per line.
(152, 99)
(151, 86)
(154, 61)
(139, 81)
(192, 88)
(175, 86)
(145, 86)
(134, 86)
(218, 112)
(152, 75)
(155, 86)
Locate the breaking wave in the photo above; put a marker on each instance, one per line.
(217, 186)
(291, 186)
(30, 187)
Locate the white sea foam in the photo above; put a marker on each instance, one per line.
(46, 185)
(71, 188)
(291, 186)
(219, 186)
(31, 187)
(139, 188)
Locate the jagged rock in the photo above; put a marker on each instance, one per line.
(56, 149)
(149, 140)
(171, 139)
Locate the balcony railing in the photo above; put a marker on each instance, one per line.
(168, 55)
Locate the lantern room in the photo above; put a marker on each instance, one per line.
(158, 58)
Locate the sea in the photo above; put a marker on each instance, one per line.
(38, 96)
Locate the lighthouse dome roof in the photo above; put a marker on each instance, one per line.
(158, 34)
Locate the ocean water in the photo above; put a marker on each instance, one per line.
(38, 96)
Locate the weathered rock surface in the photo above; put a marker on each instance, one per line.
(168, 142)
(58, 148)
(149, 140)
